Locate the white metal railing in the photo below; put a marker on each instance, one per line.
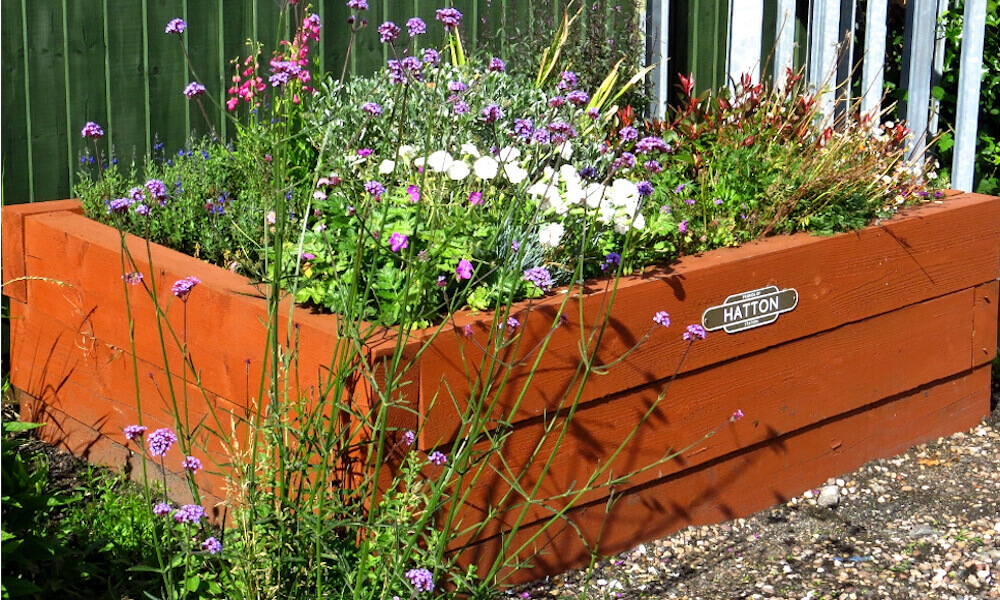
(829, 64)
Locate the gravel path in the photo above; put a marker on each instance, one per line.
(924, 524)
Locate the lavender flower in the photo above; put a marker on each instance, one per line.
(460, 107)
(134, 431)
(449, 17)
(388, 32)
(92, 130)
(372, 108)
(189, 513)
(539, 276)
(119, 205)
(160, 441)
(437, 458)
(176, 26)
(567, 80)
(649, 144)
(191, 464)
(577, 98)
(644, 188)
(194, 89)
(523, 128)
(492, 113)
(375, 188)
(416, 26)
(497, 65)
(357, 4)
(183, 287)
(409, 437)
(431, 57)
(662, 318)
(142, 210)
(612, 259)
(157, 189)
(464, 269)
(421, 579)
(133, 278)
(398, 242)
(694, 332)
(162, 509)
(212, 545)
(457, 86)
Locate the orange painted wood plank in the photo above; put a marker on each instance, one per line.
(984, 322)
(13, 241)
(772, 472)
(930, 251)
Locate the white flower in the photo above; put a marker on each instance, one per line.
(486, 167)
(470, 149)
(551, 234)
(594, 194)
(406, 152)
(515, 174)
(387, 167)
(458, 170)
(639, 222)
(565, 150)
(439, 161)
(509, 154)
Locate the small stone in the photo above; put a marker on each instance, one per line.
(829, 496)
(922, 530)
(907, 488)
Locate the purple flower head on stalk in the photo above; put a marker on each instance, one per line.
(523, 128)
(189, 513)
(162, 509)
(307, 256)
(183, 287)
(437, 458)
(414, 66)
(717, 201)
(137, 194)
(467, 331)
(414, 192)
(212, 545)
(432, 57)
(142, 210)
(492, 113)
(133, 278)
(653, 166)
(416, 26)
(375, 188)
(613, 259)
(683, 227)
(357, 4)
(497, 65)
(193, 89)
(588, 173)
(593, 112)
(388, 32)
(539, 276)
(191, 464)
(161, 440)
(541, 136)
(644, 188)
(694, 332)
(556, 101)
(460, 108)
(514, 247)
(662, 318)
(577, 98)
(157, 189)
(92, 130)
(457, 86)
(134, 431)
(567, 80)
(464, 269)
(475, 198)
(680, 188)
(176, 26)
(409, 437)
(398, 242)
(449, 17)
(442, 281)
(119, 205)
(421, 579)
(736, 416)
(396, 72)
(649, 144)
(372, 108)
(628, 134)
(512, 324)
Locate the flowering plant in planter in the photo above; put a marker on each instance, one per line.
(396, 200)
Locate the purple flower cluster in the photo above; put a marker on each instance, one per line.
(194, 89)
(421, 579)
(457, 86)
(497, 65)
(375, 188)
(567, 80)
(628, 134)
(191, 464)
(512, 324)
(492, 113)
(162, 509)
(119, 205)
(416, 26)
(157, 190)
(644, 188)
(133, 278)
(92, 130)
(134, 431)
(475, 198)
(577, 98)
(183, 287)
(437, 458)
(662, 318)
(649, 144)
(160, 441)
(282, 71)
(449, 17)
(357, 4)
(372, 108)
(409, 437)
(176, 26)
(464, 269)
(431, 57)
(212, 545)
(398, 242)
(189, 513)
(613, 259)
(539, 276)
(388, 32)
(694, 332)
(523, 128)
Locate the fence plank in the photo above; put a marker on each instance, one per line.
(746, 22)
(918, 56)
(938, 69)
(823, 48)
(17, 175)
(969, 81)
(784, 40)
(169, 111)
(658, 51)
(46, 85)
(873, 71)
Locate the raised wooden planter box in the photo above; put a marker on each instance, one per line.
(888, 346)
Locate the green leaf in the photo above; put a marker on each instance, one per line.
(18, 426)
(193, 583)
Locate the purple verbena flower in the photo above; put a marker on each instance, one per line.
(375, 188)
(421, 579)
(539, 276)
(464, 269)
(134, 431)
(512, 324)
(398, 242)
(183, 287)
(457, 86)
(567, 80)
(556, 101)
(662, 318)
(157, 189)
(372, 108)
(689, 201)
(736, 416)
(119, 205)
(191, 464)
(683, 226)
(694, 332)
(449, 17)
(628, 133)
(388, 32)
(460, 107)
(162, 509)
(357, 4)
(194, 89)
(613, 259)
(409, 437)
(133, 278)
(523, 128)
(653, 166)
(161, 440)
(142, 210)
(644, 188)
(437, 458)
(176, 26)
(416, 26)
(92, 130)
(649, 144)
(396, 72)
(189, 513)
(212, 545)
(431, 57)
(497, 65)
(577, 98)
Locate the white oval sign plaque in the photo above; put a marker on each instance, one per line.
(750, 309)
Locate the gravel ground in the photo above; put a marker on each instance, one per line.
(924, 524)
